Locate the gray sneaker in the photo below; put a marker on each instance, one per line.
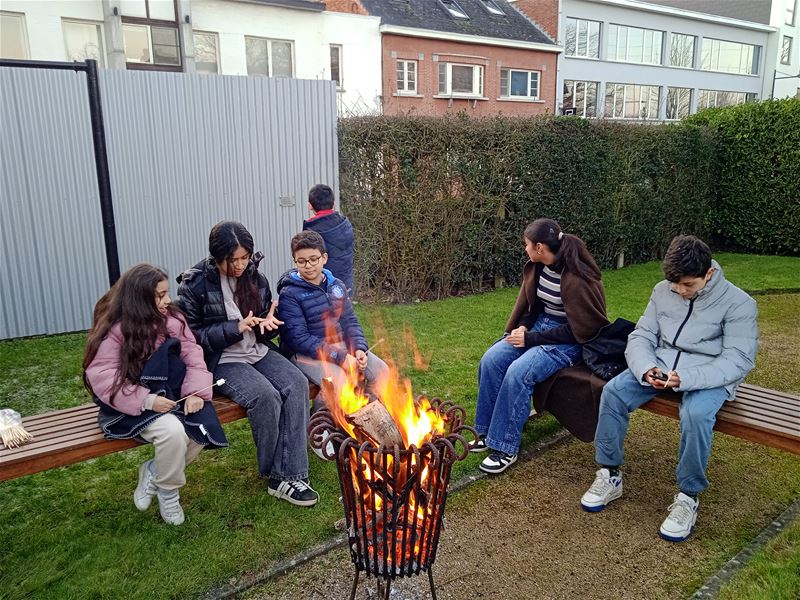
(169, 505)
(145, 489)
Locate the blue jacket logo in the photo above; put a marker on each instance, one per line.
(337, 291)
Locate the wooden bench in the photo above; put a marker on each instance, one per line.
(757, 414)
(64, 437)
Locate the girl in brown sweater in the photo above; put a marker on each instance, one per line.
(560, 306)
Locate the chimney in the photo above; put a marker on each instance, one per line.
(543, 13)
(353, 7)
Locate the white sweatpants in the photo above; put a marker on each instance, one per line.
(174, 450)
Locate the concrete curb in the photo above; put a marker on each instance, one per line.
(244, 583)
(712, 586)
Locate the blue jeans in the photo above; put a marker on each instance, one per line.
(698, 413)
(275, 394)
(506, 376)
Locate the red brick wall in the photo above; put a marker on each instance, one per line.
(543, 12)
(345, 6)
(492, 58)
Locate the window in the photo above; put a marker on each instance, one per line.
(406, 77)
(206, 52)
(519, 84)
(13, 37)
(336, 64)
(786, 50)
(719, 98)
(679, 102)
(729, 57)
(460, 80)
(269, 58)
(632, 44)
(83, 40)
(789, 20)
(492, 8)
(582, 38)
(454, 9)
(582, 96)
(151, 45)
(681, 50)
(628, 101)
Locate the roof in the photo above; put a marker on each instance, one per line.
(301, 4)
(756, 11)
(432, 15)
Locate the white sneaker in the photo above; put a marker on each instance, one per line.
(329, 449)
(145, 489)
(497, 462)
(604, 490)
(169, 505)
(682, 517)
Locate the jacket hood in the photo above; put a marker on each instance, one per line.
(713, 289)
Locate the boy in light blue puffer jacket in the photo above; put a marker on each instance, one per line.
(699, 336)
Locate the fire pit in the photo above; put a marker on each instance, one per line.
(394, 466)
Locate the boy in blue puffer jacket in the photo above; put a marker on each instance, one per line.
(335, 229)
(312, 303)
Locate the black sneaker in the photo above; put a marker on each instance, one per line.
(479, 445)
(497, 462)
(299, 493)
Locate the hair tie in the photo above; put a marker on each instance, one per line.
(560, 234)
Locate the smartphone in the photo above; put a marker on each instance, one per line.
(659, 376)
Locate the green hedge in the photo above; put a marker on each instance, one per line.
(757, 164)
(439, 204)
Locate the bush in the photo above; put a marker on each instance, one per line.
(439, 204)
(757, 166)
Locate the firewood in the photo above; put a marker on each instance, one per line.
(375, 422)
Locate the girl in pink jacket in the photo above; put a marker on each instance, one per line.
(144, 368)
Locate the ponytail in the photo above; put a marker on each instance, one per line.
(571, 253)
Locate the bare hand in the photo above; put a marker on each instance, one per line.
(350, 364)
(361, 357)
(673, 380)
(517, 337)
(659, 384)
(192, 404)
(270, 323)
(162, 405)
(248, 322)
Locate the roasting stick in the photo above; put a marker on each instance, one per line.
(217, 382)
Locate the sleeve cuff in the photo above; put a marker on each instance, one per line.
(149, 401)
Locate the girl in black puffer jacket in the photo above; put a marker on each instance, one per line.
(228, 304)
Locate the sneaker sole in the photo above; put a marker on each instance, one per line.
(291, 500)
(496, 471)
(674, 539)
(479, 450)
(143, 506)
(598, 507)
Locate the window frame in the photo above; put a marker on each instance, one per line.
(790, 7)
(672, 46)
(270, 56)
(678, 117)
(449, 93)
(748, 97)
(201, 32)
(577, 41)
(457, 12)
(614, 33)
(788, 50)
(625, 101)
(505, 94)
(98, 25)
(755, 59)
(340, 50)
(584, 103)
(148, 24)
(492, 8)
(23, 28)
(406, 91)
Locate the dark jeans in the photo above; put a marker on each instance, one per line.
(275, 394)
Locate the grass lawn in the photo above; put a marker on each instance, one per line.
(73, 533)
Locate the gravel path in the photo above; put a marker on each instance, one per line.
(523, 535)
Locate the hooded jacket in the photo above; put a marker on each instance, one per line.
(337, 231)
(305, 308)
(201, 300)
(710, 341)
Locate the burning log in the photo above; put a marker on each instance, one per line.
(375, 422)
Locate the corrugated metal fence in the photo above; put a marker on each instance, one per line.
(185, 151)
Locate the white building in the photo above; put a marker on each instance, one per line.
(273, 38)
(782, 77)
(625, 59)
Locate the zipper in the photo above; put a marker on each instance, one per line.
(674, 341)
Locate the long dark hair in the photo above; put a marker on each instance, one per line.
(131, 302)
(570, 250)
(224, 239)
